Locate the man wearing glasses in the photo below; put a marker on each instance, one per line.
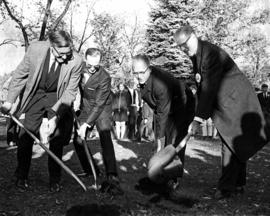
(96, 109)
(226, 96)
(173, 105)
(49, 74)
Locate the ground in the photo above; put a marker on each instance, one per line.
(197, 187)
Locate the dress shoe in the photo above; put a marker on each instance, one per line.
(55, 187)
(171, 189)
(112, 186)
(22, 184)
(87, 174)
(84, 175)
(223, 194)
(11, 143)
(239, 190)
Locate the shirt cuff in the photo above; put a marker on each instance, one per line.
(198, 119)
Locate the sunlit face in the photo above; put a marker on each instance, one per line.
(92, 63)
(121, 87)
(61, 54)
(188, 44)
(264, 89)
(141, 70)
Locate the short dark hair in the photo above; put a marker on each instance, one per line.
(186, 30)
(93, 52)
(264, 86)
(143, 58)
(61, 38)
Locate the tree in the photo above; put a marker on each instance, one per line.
(231, 25)
(133, 37)
(31, 28)
(107, 35)
(166, 17)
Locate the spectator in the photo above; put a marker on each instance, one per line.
(133, 110)
(121, 103)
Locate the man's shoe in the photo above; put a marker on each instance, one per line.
(223, 194)
(112, 186)
(55, 187)
(84, 175)
(22, 184)
(239, 190)
(11, 144)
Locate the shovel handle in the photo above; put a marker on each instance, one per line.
(51, 154)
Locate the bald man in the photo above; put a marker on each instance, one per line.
(226, 96)
(173, 105)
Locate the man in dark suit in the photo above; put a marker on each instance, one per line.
(49, 75)
(264, 98)
(173, 105)
(96, 109)
(134, 108)
(225, 95)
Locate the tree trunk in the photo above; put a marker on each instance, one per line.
(58, 20)
(21, 26)
(45, 19)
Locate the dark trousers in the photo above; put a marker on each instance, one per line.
(233, 170)
(61, 137)
(146, 129)
(12, 132)
(132, 122)
(108, 153)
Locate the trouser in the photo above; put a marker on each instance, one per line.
(61, 137)
(120, 128)
(177, 129)
(233, 170)
(12, 134)
(146, 129)
(132, 122)
(174, 136)
(108, 153)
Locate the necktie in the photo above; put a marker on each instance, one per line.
(134, 97)
(52, 69)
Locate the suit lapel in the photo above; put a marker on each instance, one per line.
(199, 55)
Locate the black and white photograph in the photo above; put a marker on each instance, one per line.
(134, 108)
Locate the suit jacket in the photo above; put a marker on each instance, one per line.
(169, 99)
(97, 98)
(121, 100)
(265, 102)
(226, 95)
(28, 74)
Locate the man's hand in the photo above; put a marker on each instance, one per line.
(82, 131)
(194, 127)
(6, 107)
(145, 121)
(52, 123)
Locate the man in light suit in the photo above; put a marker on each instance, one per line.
(226, 96)
(49, 74)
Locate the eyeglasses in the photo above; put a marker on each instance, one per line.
(184, 44)
(63, 55)
(140, 72)
(92, 68)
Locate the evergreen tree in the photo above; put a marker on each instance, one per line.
(165, 19)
